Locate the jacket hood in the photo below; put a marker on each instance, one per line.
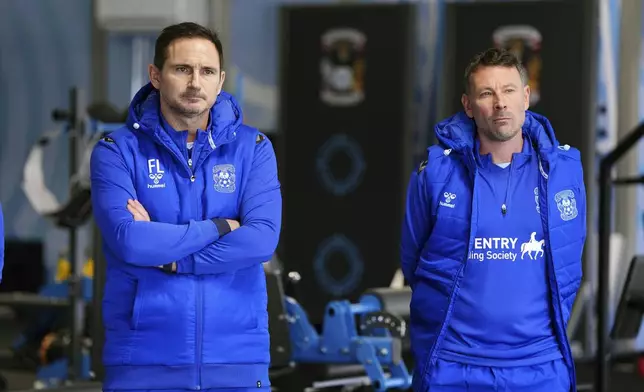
(144, 115)
(458, 132)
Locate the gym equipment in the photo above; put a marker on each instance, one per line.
(73, 117)
(628, 320)
(277, 321)
(375, 342)
(77, 289)
(603, 355)
(341, 341)
(69, 215)
(626, 361)
(45, 342)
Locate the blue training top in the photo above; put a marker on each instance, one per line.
(502, 315)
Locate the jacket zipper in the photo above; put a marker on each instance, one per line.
(551, 263)
(199, 282)
(199, 300)
(176, 156)
(198, 305)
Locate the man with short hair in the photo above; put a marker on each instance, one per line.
(189, 206)
(492, 242)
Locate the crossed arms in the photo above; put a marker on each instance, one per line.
(197, 247)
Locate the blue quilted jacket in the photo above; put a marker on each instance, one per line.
(207, 325)
(436, 241)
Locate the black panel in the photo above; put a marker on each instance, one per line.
(343, 150)
(24, 267)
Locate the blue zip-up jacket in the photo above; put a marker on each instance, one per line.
(1, 242)
(207, 325)
(435, 241)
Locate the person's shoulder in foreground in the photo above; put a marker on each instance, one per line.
(189, 206)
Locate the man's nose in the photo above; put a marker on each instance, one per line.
(195, 81)
(499, 104)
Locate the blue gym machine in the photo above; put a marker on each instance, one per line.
(365, 339)
(375, 342)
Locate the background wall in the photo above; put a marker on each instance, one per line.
(44, 50)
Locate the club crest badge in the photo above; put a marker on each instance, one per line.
(566, 204)
(224, 178)
(525, 42)
(342, 67)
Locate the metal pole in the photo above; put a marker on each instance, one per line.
(628, 117)
(77, 302)
(605, 203)
(98, 284)
(589, 97)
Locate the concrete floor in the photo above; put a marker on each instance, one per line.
(16, 379)
(623, 379)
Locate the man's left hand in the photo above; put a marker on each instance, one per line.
(138, 212)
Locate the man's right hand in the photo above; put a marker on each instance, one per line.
(234, 225)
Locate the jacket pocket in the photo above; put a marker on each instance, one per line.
(137, 303)
(118, 302)
(236, 316)
(235, 302)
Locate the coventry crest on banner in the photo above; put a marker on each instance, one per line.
(342, 67)
(525, 42)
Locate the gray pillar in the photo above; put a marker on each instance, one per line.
(628, 119)
(99, 61)
(220, 22)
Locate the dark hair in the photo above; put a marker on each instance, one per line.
(184, 30)
(494, 57)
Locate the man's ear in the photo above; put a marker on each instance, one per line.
(526, 97)
(467, 105)
(155, 75)
(222, 78)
